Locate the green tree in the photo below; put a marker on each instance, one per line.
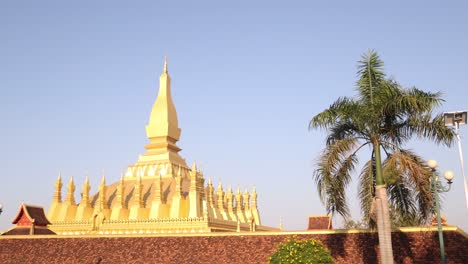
(383, 116)
(301, 251)
(351, 224)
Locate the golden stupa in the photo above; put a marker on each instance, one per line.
(158, 194)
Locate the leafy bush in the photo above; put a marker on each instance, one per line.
(301, 251)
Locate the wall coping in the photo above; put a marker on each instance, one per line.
(282, 233)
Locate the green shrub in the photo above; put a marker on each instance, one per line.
(301, 251)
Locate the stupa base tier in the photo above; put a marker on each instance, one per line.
(152, 226)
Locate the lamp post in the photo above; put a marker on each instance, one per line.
(456, 119)
(436, 188)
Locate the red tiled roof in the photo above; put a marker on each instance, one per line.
(320, 222)
(35, 214)
(22, 231)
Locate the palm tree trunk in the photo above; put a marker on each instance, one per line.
(383, 214)
(384, 225)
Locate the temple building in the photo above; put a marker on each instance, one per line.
(30, 220)
(160, 193)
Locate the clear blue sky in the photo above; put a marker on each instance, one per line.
(78, 80)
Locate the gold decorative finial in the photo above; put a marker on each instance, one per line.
(71, 182)
(70, 199)
(58, 189)
(163, 129)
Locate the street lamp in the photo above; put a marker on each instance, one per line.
(455, 119)
(436, 188)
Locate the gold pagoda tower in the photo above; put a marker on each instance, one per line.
(159, 194)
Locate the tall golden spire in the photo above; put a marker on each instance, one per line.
(163, 128)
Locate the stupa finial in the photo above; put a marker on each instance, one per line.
(163, 127)
(165, 64)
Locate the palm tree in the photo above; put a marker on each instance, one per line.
(383, 116)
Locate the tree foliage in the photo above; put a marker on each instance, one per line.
(301, 251)
(383, 115)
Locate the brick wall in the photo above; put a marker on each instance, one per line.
(409, 247)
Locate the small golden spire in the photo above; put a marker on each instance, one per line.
(254, 198)
(58, 189)
(121, 192)
(230, 200)
(70, 199)
(158, 193)
(85, 198)
(210, 191)
(178, 186)
(137, 196)
(246, 199)
(71, 181)
(102, 194)
(194, 166)
(220, 196)
(239, 200)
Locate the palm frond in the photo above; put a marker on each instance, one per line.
(412, 172)
(341, 109)
(371, 74)
(366, 190)
(334, 174)
(423, 127)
